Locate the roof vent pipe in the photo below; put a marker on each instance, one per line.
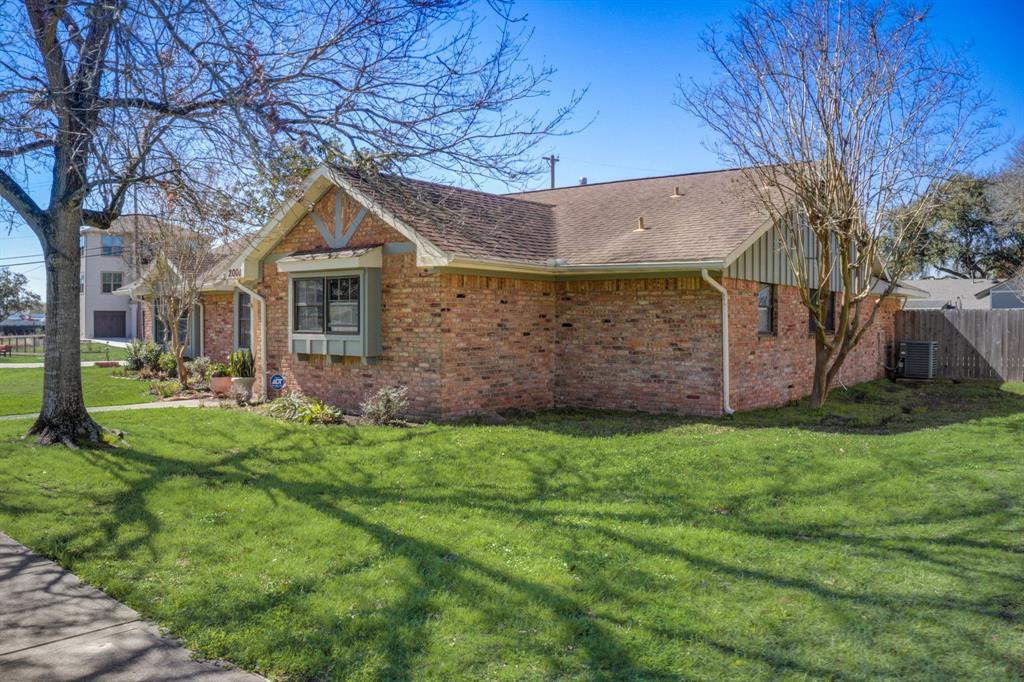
(675, 193)
(583, 180)
(640, 224)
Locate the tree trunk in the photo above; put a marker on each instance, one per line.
(63, 418)
(821, 384)
(179, 356)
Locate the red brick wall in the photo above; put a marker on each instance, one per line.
(772, 370)
(498, 347)
(218, 326)
(147, 321)
(465, 344)
(639, 344)
(410, 325)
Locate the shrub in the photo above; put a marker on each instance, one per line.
(151, 356)
(384, 406)
(317, 411)
(164, 389)
(296, 407)
(242, 364)
(198, 367)
(133, 355)
(219, 369)
(141, 354)
(168, 364)
(288, 406)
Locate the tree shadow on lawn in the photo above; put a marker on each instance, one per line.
(593, 641)
(876, 408)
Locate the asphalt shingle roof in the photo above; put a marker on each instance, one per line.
(712, 215)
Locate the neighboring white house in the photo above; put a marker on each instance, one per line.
(106, 267)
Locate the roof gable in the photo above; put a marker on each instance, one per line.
(694, 220)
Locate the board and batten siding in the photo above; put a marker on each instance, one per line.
(766, 260)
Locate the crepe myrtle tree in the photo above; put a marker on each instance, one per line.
(174, 250)
(99, 96)
(840, 111)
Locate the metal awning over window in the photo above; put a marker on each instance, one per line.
(338, 259)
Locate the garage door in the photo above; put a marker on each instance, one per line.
(108, 324)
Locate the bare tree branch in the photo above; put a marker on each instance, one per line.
(841, 111)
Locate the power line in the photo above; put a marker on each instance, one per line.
(36, 262)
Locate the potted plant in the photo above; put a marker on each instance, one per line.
(220, 378)
(243, 374)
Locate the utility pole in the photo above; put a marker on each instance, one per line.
(552, 160)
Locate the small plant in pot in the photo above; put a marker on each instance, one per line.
(220, 378)
(243, 374)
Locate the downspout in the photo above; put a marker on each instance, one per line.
(726, 404)
(201, 326)
(263, 333)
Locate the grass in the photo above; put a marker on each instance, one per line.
(90, 350)
(883, 537)
(21, 390)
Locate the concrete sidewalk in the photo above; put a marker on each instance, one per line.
(39, 365)
(55, 627)
(158, 405)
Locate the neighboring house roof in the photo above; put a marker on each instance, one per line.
(950, 292)
(1014, 285)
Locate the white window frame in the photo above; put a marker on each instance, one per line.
(113, 288)
(111, 250)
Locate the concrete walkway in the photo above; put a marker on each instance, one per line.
(158, 405)
(39, 365)
(55, 627)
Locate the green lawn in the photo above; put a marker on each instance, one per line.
(21, 390)
(881, 538)
(90, 350)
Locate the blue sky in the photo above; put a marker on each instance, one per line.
(630, 55)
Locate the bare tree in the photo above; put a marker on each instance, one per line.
(101, 96)
(841, 112)
(178, 244)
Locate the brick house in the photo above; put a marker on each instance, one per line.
(609, 295)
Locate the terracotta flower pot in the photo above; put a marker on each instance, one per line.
(241, 387)
(220, 385)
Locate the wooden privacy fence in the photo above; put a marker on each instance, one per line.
(24, 343)
(973, 344)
